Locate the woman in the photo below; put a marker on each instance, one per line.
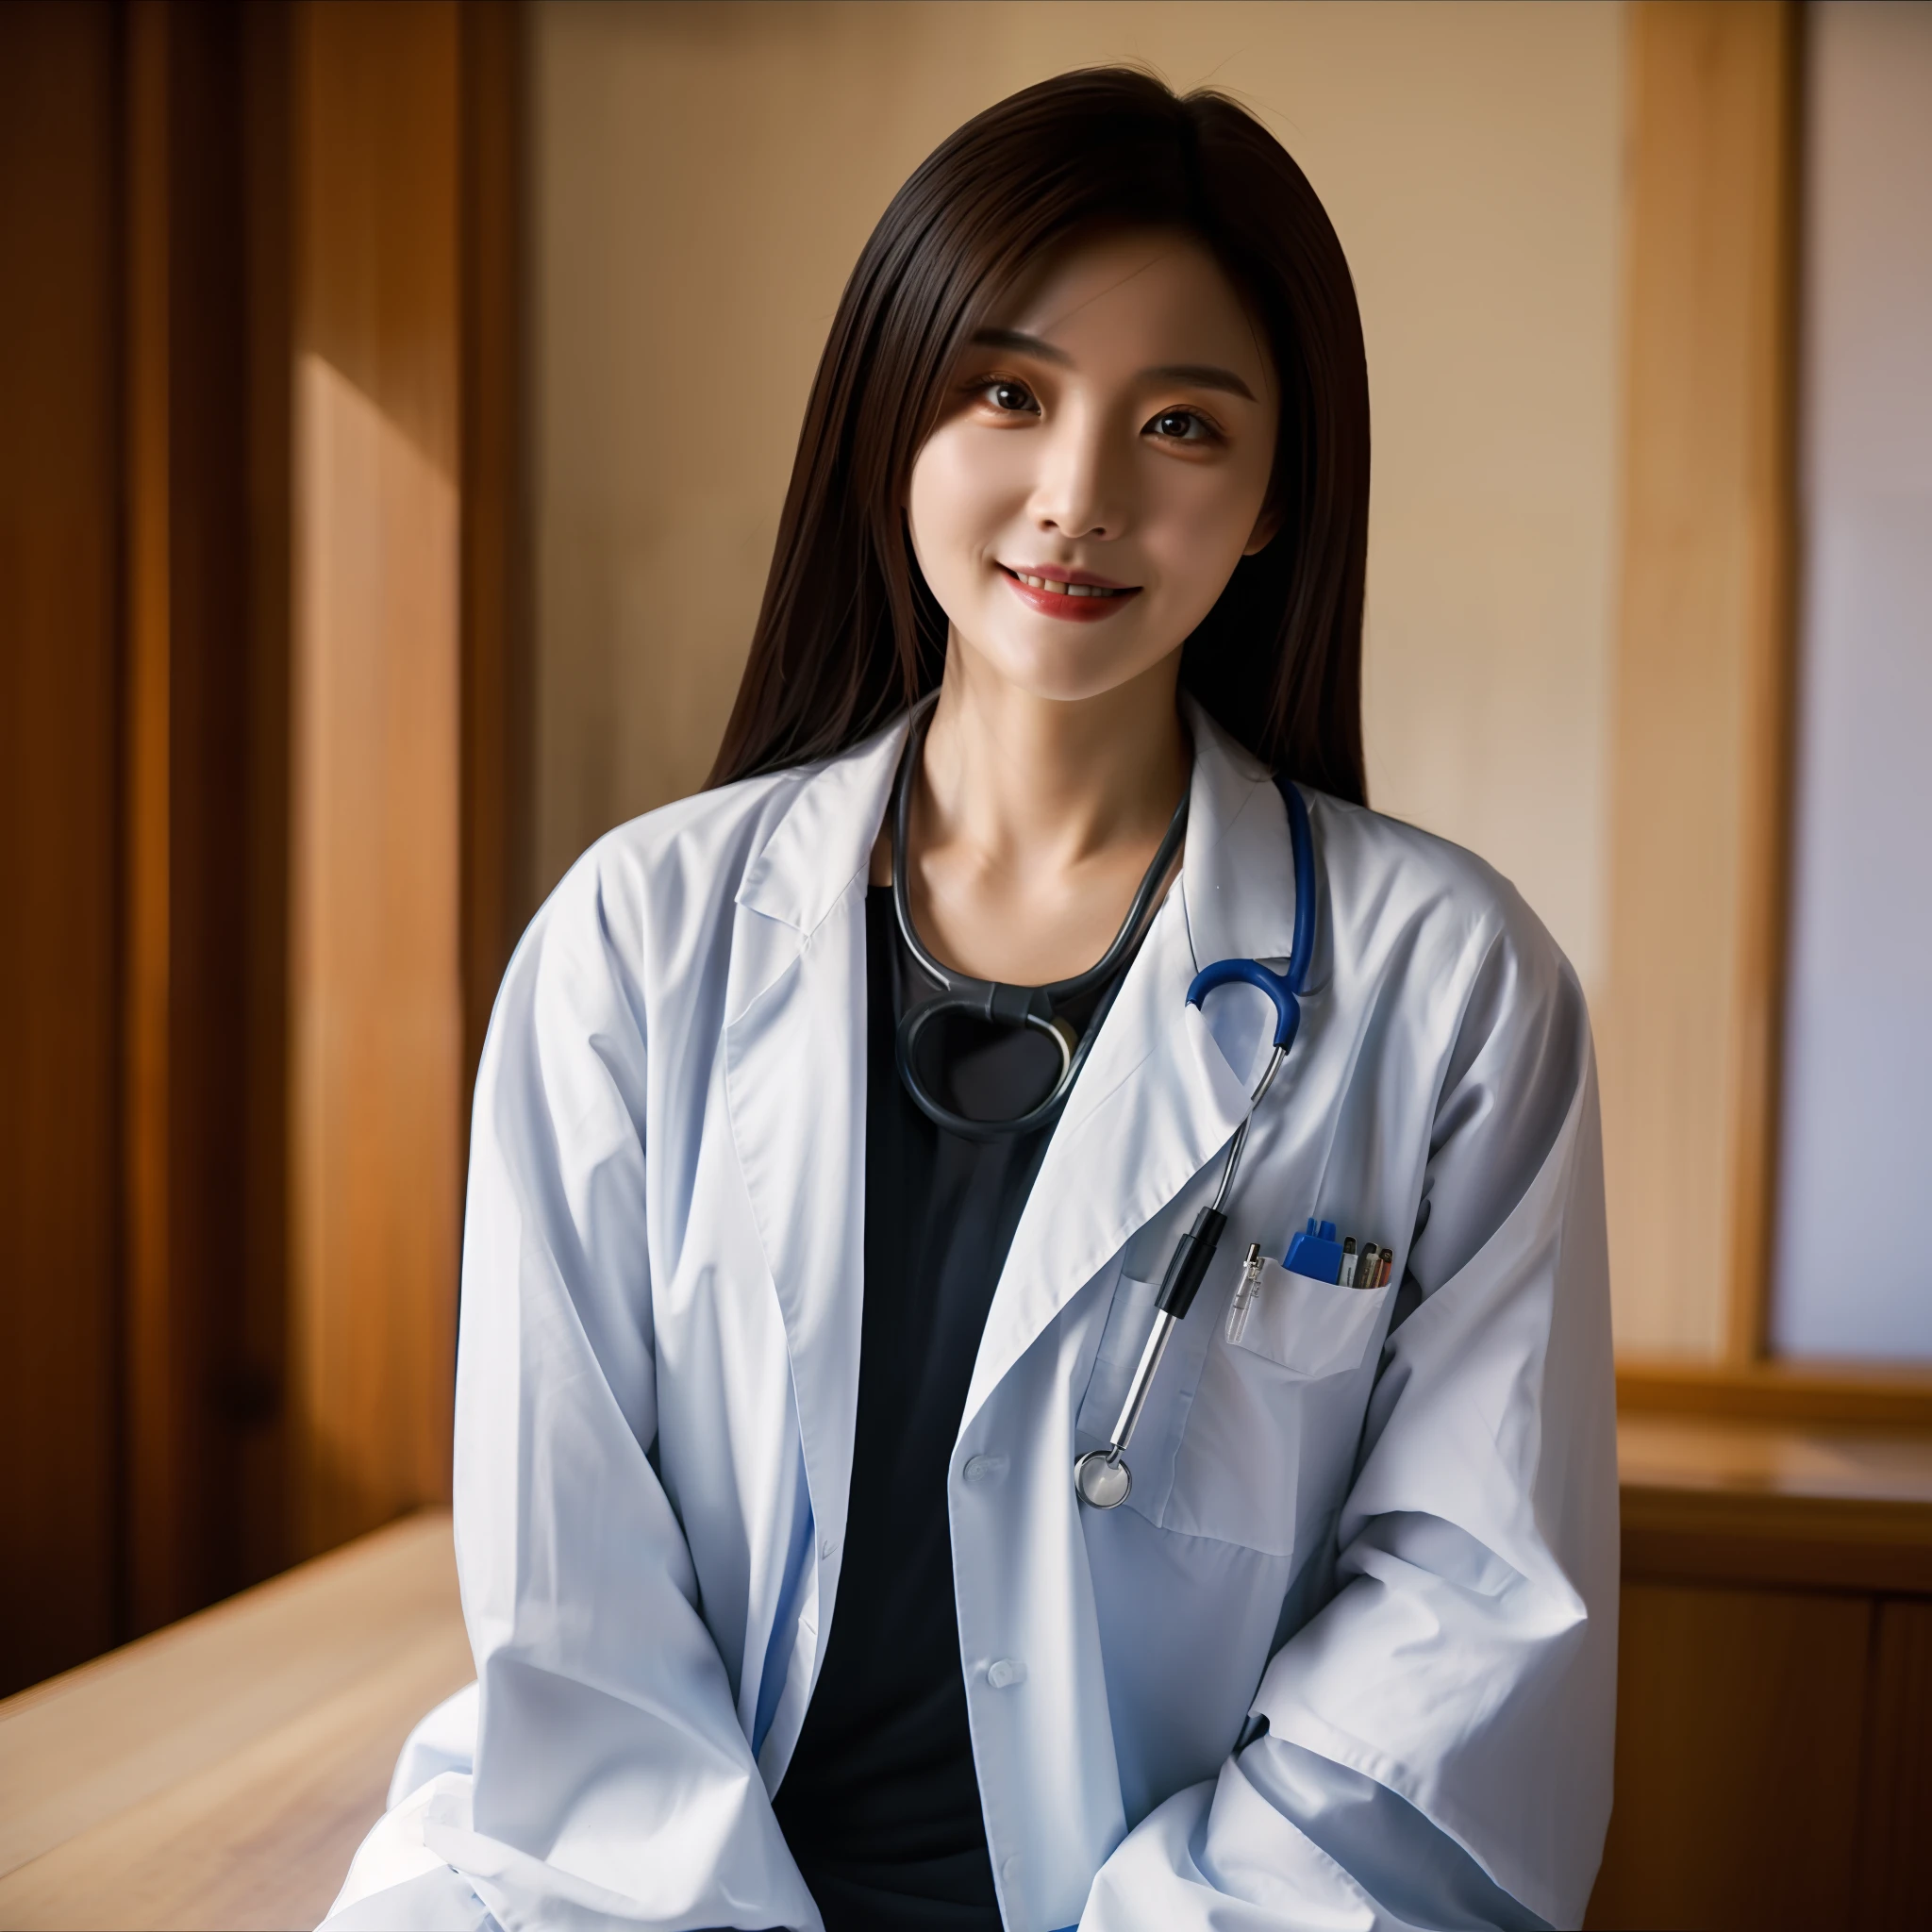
(793, 1287)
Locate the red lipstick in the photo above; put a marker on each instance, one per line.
(1055, 589)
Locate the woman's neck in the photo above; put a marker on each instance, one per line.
(1034, 819)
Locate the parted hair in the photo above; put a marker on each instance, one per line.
(848, 633)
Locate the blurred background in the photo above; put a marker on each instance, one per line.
(396, 402)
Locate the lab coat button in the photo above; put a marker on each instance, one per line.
(1011, 1870)
(981, 1469)
(1005, 1672)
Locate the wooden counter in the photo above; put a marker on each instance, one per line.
(1774, 1692)
(1774, 1743)
(222, 1772)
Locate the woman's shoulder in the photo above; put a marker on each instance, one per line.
(701, 846)
(646, 915)
(656, 879)
(1393, 884)
(663, 890)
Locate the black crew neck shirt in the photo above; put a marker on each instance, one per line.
(880, 1803)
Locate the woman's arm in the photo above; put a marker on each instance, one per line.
(613, 1783)
(1438, 1736)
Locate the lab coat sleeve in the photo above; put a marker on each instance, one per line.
(613, 1785)
(1439, 1742)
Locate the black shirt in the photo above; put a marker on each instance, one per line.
(880, 1804)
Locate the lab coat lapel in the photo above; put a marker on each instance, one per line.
(794, 1058)
(1158, 1097)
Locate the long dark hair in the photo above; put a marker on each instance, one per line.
(849, 634)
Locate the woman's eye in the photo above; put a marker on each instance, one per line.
(1181, 426)
(1011, 398)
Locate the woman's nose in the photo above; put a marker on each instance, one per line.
(1082, 487)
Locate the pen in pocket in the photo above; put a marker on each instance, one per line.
(1316, 1253)
(1244, 1294)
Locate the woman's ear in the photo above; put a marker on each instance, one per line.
(1263, 534)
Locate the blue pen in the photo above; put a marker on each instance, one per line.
(1315, 1252)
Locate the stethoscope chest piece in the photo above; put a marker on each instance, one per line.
(1104, 1480)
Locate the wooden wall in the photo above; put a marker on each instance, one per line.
(260, 747)
(376, 1051)
(201, 761)
(1775, 1693)
(1773, 1768)
(1687, 1024)
(60, 738)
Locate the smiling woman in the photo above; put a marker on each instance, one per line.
(967, 310)
(1083, 437)
(1102, 458)
(836, 1123)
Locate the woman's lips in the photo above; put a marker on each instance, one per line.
(1078, 595)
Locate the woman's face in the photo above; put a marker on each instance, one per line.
(1099, 466)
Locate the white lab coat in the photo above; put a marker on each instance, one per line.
(1385, 1522)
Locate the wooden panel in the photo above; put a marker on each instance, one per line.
(151, 219)
(221, 1773)
(1829, 1542)
(1771, 1391)
(497, 737)
(1689, 1021)
(201, 1375)
(1739, 1722)
(1749, 1462)
(374, 946)
(1894, 1887)
(158, 1382)
(1707, 1501)
(259, 1385)
(59, 842)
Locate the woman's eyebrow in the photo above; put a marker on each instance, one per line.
(1202, 375)
(1018, 339)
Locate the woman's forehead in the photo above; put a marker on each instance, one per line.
(1143, 297)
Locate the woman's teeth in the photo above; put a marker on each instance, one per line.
(1067, 590)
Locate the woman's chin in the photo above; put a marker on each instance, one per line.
(1065, 671)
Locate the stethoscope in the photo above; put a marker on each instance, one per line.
(1102, 1475)
(1034, 1007)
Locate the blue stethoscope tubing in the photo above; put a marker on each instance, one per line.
(1102, 1475)
(1283, 988)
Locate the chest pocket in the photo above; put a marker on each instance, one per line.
(1270, 1435)
(1311, 1327)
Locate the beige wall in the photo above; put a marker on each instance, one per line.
(706, 175)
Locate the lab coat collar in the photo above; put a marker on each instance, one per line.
(1236, 834)
(1238, 870)
(824, 842)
